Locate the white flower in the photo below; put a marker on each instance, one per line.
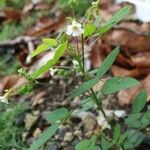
(75, 29)
(3, 99)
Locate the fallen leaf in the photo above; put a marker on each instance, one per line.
(126, 96)
(12, 82)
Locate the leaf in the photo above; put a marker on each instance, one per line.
(147, 114)
(84, 144)
(117, 132)
(88, 144)
(104, 143)
(123, 137)
(57, 115)
(118, 83)
(115, 19)
(144, 121)
(43, 69)
(84, 87)
(60, 51)
(139, 102)
(89, 29)
(107, 63)
(45, 136)
(47, 44)
(134, 120)
(134, 139)
(41, 48)
(50, 41)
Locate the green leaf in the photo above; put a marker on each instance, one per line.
(41, 48)
(118, 83)
(117, 132)
(45, 136)
(60, 51)
(134, 139)
(123, 137)
(107, 63)
(50, 41)
(84, 144)
(144, 121)
(43, 69)
(89, 29)
(57, 115)
(134, 120)
(139, 102)
(147, 114)
(88, 144)
(84, 87)
(104, 143)
(115, 19)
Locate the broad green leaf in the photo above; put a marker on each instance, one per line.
(134, 120)
(50, 41)
(84, 144)
(41, 48)
(84, 87)
(144, 121)
(134, 139)
(107, 63)
(115, 19)
(136, 124)
(104, 143)
(57, 115)
(87, 144)
(118, 83)
(43, 69)
(60, 51)
(139, 102)
(147, 114)
(45, 136)
(89, 29)
(123, 137)
(87, 103)
(117, 132)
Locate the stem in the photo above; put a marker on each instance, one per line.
(77, 46)
(94, 96)
(83, 57)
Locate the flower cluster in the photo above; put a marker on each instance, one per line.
(75, 29)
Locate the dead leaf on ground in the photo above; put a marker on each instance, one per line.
(11, 82)
(126, 96)
(39, 98)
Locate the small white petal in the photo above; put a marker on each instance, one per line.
(69, 32)
(78, 25)
(69, 27)
(76, 33)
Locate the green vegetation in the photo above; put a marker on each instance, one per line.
(10, 132)
(8, 61)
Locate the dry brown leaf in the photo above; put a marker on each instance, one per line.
(12, 14)
(39, 98)
(126, 96)
(12, 82)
